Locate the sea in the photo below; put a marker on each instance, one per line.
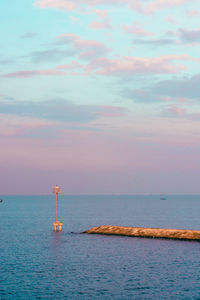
(38, 263)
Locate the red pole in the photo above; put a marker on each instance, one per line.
(57, 207)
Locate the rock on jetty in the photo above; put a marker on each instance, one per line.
(146, 232)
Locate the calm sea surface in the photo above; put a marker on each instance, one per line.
(37, 263)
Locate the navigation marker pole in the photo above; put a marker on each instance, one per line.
(57, 225)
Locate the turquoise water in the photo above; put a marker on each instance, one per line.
(37, 263)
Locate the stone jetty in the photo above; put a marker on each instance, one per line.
(180, 234)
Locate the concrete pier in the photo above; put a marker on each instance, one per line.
(181, 234)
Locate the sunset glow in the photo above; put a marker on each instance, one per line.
(101, 96)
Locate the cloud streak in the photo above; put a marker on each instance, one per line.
(182, 36)
(138, 5)
(155, 5)
(180, 90)
(87, 49)
(120, 66)
(33, 73)
(128, 65)
(28, 35)
(136, 29)
(187, 87)
(189, 36)
(179, 111)
(50, 55)
(155, 42)
(103, 22)
(58, 110)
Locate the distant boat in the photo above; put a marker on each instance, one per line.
(163, 198)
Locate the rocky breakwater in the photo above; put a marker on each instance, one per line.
(181, 234)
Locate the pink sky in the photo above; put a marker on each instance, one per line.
(100, 97)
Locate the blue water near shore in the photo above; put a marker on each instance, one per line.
(37, 263)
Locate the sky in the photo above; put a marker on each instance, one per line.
(100, 96)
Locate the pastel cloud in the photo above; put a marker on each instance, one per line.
(137, 29)
(16, 125)
(180, 90)
(128, 65)
(149, 96)
(65, 5)
(176, 110)
(50, 55)
(194, 13)
(137, 5)
(6, 61)
(74, 66)
(102, 13)
(189, 36)
(156, 42)
(100, 25)
(87, 49)
(171, 20)
(28, 35)
(156, 5)
(58, 110)
(33, 73)
(120, 66)
(181, 36)
(188, 87)
(180, 111)
(141, 95)
(103, 23)
(60, 70)
(111, 111)
(68, 5)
